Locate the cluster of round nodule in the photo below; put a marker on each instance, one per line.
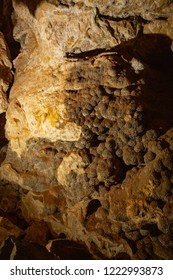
(114, 135)
(109, 118)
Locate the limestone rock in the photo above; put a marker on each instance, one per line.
(5, 73)
(160, 27)
(90, 130)
(122, 8)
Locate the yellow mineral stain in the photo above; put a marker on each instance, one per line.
(51, 115)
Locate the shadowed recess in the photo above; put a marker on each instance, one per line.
(31, 4)
(6, 27)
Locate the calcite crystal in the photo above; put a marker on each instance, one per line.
(90, 129)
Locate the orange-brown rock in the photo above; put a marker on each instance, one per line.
(90, 130)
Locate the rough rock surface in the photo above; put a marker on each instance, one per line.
(5, 73)
(89, 163)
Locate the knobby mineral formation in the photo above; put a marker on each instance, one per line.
(89, 162)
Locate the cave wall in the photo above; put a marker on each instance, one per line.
(89, 124)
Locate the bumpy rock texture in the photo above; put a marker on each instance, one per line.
(88, 170)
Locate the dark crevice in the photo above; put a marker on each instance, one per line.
(85, 55)
(92, 207)
(13, 218)
(122, 256)
(110, 29)
(3, 140)
(9, 88)
(134, 20)
(64, 5)
(162, 18)
(138, 19)
(126, 45)
(152, 228)
(6, 27)
(31, 4)
(6, 250)
(69, 250)
(131, 243)
(119, 19)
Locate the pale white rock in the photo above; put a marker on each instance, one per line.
(72, 162)
(137, 65)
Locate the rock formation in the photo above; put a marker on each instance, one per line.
(89, 162)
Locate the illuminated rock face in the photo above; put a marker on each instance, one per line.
(89, 124)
